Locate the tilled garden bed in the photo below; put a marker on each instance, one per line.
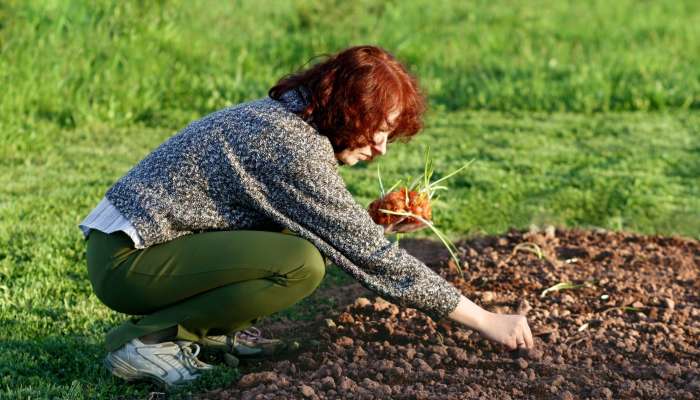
(629, 327)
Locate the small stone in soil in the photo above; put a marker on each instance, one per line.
(670, 304)
(346, 384)
(522, 364)
(307, 391)
(253, 379)
(566, 395)
(359, 352)
(362, 302)
(328, 383)
(604, 392)
(345, 318)
(487, 297)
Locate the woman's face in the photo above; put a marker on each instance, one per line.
(368, 152)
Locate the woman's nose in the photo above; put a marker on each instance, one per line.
(380, 147)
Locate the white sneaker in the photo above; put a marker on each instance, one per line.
(168, 364)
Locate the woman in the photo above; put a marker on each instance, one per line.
(230, 220)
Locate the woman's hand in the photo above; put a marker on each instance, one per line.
(509, 330)
(402, 226)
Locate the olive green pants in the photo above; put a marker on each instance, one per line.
(209, 283)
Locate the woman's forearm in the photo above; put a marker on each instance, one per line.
(468, 314)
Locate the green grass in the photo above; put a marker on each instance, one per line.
(581, 114)
(71, 63)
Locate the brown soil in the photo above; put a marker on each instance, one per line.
(632, 331)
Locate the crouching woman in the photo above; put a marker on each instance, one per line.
(233, 218)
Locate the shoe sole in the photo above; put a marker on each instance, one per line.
(217, 346)
(123, 370)
(285, 349)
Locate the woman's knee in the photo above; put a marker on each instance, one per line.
(313, 269)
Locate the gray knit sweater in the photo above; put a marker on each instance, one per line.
(258, 165)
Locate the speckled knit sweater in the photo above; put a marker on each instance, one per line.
(258, 165)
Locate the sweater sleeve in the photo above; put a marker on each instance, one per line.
(310, 197)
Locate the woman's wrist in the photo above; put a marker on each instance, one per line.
(469, 314)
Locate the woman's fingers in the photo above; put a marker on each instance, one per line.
(410, 226)
(524, 337)
(401, 225)
(394, 227)
(520, 338)
(528, 337)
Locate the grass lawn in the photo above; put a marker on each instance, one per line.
(575, 115)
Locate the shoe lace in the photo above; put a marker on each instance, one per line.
(252, 334)
(188, 357)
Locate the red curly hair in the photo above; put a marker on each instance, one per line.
(352, 94)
